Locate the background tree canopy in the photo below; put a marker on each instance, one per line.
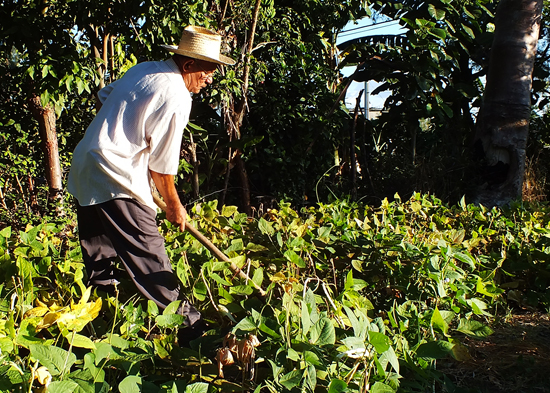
(297, 141)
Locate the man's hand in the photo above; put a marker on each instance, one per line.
(177, 215)
(175, 212)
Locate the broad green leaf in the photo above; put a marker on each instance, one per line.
(337, 386)
(380, 387)
(292, 354)
(437, 14)
(391, 357)
(438, 322)
(81, 341)
(465, 257)
(255, 247)
(216, 277)
(130, 384)
(197, 387)
(474, 328)
(435, 349)
(172, 308)
(258, 277)
(323, 333)
(55, 359)
(266, 228)
(200, 291)
(310, 378)
(294, 258)
(312, 358)
(306, 320)
(6, 345)
(242, 290)
(246, 324)
(62, 387)
(469, 31)
(228, 211)
(291, 379)
(379, 341)
(170, 320)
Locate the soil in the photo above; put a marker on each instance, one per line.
(515, 358)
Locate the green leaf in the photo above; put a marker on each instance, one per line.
(258, 277)
(255, 247)
(81, 341)
(6, 232)
(170, 320)
(152, 308)
(246, 324)
(312, 358)
(130, 384)
(266, 228)
(292, 354)
(323, 333)
(228, 211)
(380, 387)
(474, 328)
(436, 13)
(379, 341)
(291, 379)
(197, 387)
(172, 308)
(62, 387)
(294, 258)
(438, 322)
(200, 291)
(53, 358)
(391, 357)
(306, 320)
(242, 290)
(337, 386)
(465, 257)
(469, 31)
(310, 376)
(435, 349)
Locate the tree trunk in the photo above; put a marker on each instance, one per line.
(45, 116)
(238, 116)
(503, 123)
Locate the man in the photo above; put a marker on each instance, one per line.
(135, 138)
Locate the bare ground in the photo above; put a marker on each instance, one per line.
(515, 358)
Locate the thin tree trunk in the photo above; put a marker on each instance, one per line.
(195, 163)
(45, 116)
(238, 116)
(503, 124)
(352, 160)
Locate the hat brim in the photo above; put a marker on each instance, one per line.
(222, 60)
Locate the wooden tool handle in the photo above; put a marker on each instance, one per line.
(210, 246)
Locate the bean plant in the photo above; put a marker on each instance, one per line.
(359, 299)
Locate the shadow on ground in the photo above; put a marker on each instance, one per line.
(515, 358)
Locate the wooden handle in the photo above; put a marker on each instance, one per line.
(210, 246)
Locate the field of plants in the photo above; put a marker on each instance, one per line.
(388, 298)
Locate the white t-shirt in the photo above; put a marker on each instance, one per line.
(138, 128)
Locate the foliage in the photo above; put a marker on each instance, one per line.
(422, 140)
(359, 298)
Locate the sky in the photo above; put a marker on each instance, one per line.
(366, 27)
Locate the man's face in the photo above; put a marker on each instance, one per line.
(198, 74)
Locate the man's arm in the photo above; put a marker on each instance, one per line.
(175, 212)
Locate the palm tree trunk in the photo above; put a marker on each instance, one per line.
(503, 123)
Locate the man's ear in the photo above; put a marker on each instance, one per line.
(188, 65)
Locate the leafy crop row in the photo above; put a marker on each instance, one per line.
(358, 299)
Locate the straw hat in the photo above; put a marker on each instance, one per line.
(200, 43)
